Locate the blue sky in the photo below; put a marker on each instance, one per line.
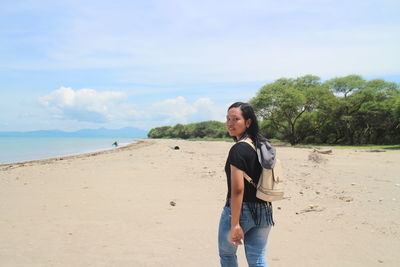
(72, 64)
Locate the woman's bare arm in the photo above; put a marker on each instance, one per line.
(237, 191)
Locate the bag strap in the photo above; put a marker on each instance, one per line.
(248, 178)
(248, 142)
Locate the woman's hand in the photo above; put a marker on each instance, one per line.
(237, 235)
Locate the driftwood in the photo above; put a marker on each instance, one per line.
(311, 208)
(323, 151)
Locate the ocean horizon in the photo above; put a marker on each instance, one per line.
(18, 149)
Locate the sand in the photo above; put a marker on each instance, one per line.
(150, 205)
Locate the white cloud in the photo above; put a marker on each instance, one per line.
(85, 104)
(112, 108)
(178, 110)
(173, 110)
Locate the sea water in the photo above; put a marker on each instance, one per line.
(16, 149)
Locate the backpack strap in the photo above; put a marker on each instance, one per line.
(248, 142)
(248, 178)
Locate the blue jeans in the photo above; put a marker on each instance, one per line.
(255, 239)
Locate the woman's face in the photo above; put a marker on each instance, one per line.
(235, 123)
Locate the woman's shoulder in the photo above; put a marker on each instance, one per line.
(241, 148)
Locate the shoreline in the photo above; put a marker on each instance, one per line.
(138, 141)
(71, 156)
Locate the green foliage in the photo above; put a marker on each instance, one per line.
(159, 132)
(343, 110)
(205, 129)
(286, 101)
(345, 85)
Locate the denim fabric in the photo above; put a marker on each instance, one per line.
(255, 239)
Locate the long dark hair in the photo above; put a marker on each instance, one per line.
(253, 130)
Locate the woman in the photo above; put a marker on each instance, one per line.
(245, 218)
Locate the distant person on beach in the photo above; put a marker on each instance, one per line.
(115, 144)
(245, 218)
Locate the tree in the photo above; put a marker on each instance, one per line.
(212, 129)
(284, 102)
(343, 110)
(159, 132)
(344, 88)
(176, 131)
(373, 113)
(345, 85)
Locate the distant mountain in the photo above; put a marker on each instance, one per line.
(127, 132)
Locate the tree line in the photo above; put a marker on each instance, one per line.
(343, 110)
(210, 129)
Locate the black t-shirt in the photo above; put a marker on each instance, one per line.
(244, 157)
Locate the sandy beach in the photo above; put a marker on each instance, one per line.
(148, 204)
